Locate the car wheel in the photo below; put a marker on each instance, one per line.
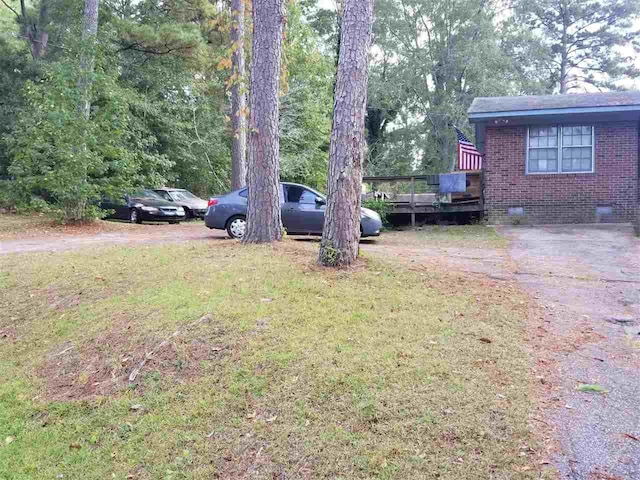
(236, 226)
(187, 213)
(134, 216)
(173, 223)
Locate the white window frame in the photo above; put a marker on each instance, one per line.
(559, 133)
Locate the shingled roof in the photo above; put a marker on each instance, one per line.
(539, 104)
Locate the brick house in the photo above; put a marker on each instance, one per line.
(559, 158)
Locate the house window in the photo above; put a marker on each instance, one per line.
(560, 149)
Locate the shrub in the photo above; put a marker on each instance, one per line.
(381, 207)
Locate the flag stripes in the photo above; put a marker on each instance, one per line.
(469, 158)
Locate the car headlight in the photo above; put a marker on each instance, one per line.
(180, 210)
(150, 209)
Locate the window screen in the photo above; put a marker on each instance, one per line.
(543, 149)
(576, 149)
(560, 149)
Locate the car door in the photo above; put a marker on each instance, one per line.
(121, 207)
(290, 219)
(301, 213)
(115, 205)
(312, 212)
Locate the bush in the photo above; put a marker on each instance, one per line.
(65, 164)
(381, 207)
(6, 198)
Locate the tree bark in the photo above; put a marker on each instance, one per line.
(341, 232)
(87, 56)
(238, 99)
(264, 223)
(564, 53)
(36, 35)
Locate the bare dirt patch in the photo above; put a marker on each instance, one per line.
(7, 335)
(26, 234)
(102, 366)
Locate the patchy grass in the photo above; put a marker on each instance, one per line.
(299, 372)
(11, 224)
(462, 236)
(14, 226)
(592, 388)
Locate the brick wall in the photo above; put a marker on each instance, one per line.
(562, 198)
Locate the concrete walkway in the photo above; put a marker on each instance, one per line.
(586, 280)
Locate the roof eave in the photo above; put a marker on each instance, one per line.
(481, 116)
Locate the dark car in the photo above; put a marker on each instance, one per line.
(302, 212)
(144, 205)
(193, 206)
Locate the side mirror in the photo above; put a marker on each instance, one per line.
(320, 201)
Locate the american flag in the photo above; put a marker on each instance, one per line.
(469, 158)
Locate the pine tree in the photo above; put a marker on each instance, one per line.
(238, 98)
(264, 222)
(341, 233)
(584, 40)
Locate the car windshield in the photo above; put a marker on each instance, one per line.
(146, 193)
(182, 195)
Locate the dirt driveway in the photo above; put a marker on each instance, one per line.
(116, 234)
(586, 280)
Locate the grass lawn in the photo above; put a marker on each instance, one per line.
(298, 372)
(462, 236)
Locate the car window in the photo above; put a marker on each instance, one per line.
(164, 194)
(183, 195)
(245, 193)
(296, 194)
(146, 193)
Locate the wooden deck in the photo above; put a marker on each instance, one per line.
(414, 206)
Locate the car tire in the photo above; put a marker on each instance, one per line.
(134, 216)
(173, 223)
(236, 226)
(187, 213)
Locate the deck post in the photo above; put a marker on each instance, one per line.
(413, 203)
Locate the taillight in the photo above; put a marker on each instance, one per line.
(212, 202)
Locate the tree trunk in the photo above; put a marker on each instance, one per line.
(264, 223)
(36, 34)
(238, 99)
(341, 233)
(87, 55)
(564, 53)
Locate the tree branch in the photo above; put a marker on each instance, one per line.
(11, 8)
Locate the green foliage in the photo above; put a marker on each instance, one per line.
(434, 58)
(306, 106)
(330, 256)
(587, 43)
(72, 163)
(383, 208)
(160, 93)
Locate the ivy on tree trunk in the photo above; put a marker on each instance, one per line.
(341, 232)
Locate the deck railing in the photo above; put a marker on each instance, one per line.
(468, 203)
